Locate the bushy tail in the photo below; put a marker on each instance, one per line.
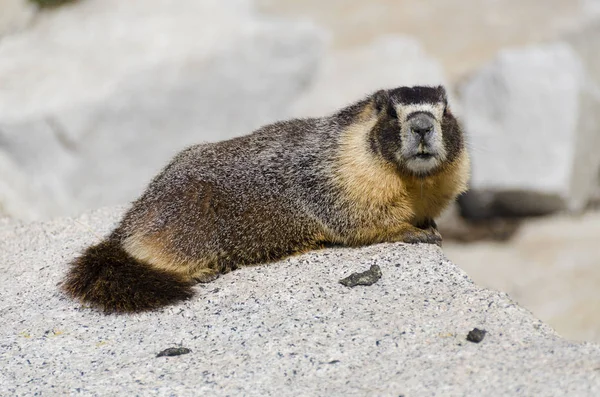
(108, 278)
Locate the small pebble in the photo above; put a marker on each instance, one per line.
(368, 277)
(476, 335)
(174, 351)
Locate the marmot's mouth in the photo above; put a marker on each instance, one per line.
(424, 156)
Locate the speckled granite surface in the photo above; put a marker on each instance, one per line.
(288, 328)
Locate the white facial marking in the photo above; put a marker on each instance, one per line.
(403, 111)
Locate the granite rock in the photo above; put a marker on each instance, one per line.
(281, 329)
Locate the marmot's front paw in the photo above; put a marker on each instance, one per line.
(427, 236)
(205, 276)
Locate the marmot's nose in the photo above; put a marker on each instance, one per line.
(421, 124)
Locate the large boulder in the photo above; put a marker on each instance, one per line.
(534, 132)
(282, 329)
(97, 96)
(585, 43)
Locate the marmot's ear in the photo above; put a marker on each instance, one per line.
(383, 103)
(442, 92)
(381, 100)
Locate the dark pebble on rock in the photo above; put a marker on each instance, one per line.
(368, 277)
(476, 335)
(174, 351)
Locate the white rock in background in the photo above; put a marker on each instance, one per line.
(590, 9)
(348, 75)
(586, 43)
(529, 115)
(95, 98)
(15, 15)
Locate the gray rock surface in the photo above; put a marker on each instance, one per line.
(532, 118)
(287, 328)
(96, 97)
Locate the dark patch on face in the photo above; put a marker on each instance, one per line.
(385, 138)
(452, 136)
(417, 95)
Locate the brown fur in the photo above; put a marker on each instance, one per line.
(128, 285)
(288, 188)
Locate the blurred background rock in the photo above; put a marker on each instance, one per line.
(97, 95)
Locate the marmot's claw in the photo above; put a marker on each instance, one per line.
(428, 236)
(438, 237)
(206, 277)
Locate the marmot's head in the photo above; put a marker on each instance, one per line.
(415, 129)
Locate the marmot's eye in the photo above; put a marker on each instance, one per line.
(392, 112)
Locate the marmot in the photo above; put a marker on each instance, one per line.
(379, 170)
